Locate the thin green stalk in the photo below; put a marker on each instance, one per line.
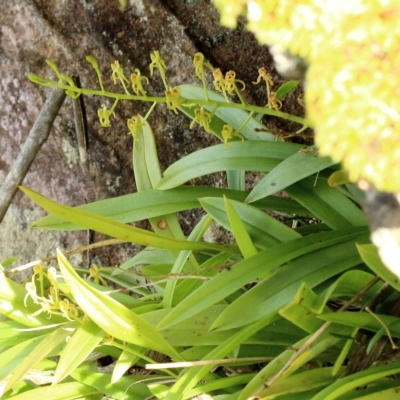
(158, 100)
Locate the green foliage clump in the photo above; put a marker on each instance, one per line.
(352, 48)
(253, 319)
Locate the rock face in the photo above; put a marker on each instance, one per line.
(66, 32)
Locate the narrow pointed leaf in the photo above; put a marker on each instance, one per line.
(293, 169)
(128, 387)
(277, 289)
(326, 203)
(196, 234)
(347, 285)
(301, 382)
(195, 331)
(264, 230)
(147, 172)
(299, 310)
(48, 344)
(15, 356)
(79, 346)
(155, 203)
(365, 320)
(286, 88)
(323, 343)
(114, 318)
(145, 160)
(359, 379)
(185, 383)
(118, 230)
(247, 156)
(124, 362)
(63, 391)
(243, 239)
(247, 271)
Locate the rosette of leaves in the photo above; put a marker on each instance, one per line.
(353, 50)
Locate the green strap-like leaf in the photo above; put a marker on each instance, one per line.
(195, 331)
(114, 318)
(301, 382)
(239, 231)
(47, 345)
(70, 391)
(299, 310)
(358, 379)
(323, 343)
(79, 346)
(118, 230)
(286, 88)
(293, 169)
(248, 270)
(196, 234)
(326, 203)
(188, 380)
(147, 172)
(124, 362)
(277, 289)
(365, 320)
(246, 156)
(264, 230)
(155, 203)
(347, 285)
(15, 355)
(127, 387)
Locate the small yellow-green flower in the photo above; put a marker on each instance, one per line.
(137, 86)
(198, 61)
(230, 82)
(158, 62)
(203, 118)
(174, 99)
(104, 115)
(118, 73)
(134, 124)
(219, 80)
(228, 133)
